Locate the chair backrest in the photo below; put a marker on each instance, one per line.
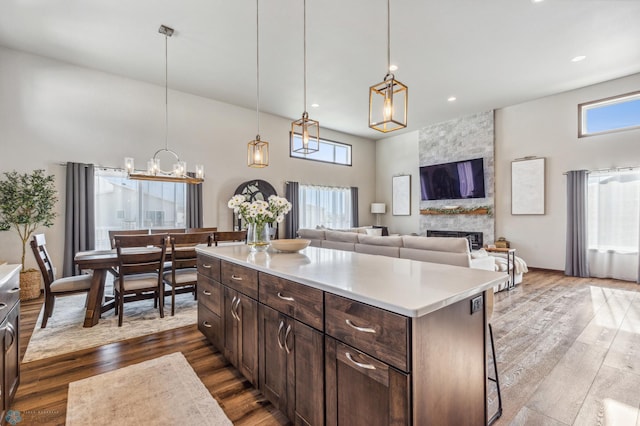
(211, 229)
(167, 231)
(38, 244)
(114, 232)
(229, 236)
(141, 253)
(183, 248)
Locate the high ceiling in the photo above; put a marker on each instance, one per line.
(487, 53)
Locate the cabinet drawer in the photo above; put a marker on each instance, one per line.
(296, 300)
(239, 278)
(372, 330)
(210, 294)
(209, 267)
(210, 325)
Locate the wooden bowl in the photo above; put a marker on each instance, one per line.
(290, 245)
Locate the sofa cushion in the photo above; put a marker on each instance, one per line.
(449, 258)
(311, 234)
(378, 249)
(339, 245)
(380, 241)
(453, 245)
(346, 237)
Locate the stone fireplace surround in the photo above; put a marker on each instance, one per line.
(475, 238)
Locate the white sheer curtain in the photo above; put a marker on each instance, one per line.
(326, 206)
(614, 224)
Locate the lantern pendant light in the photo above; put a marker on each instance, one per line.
(257, 149)
(306, 129)
(388, 99)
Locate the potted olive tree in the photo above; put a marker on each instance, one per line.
(27, 201)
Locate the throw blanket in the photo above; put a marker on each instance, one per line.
(501, 263)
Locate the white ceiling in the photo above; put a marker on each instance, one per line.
(487, 53)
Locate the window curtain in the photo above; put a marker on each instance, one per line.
(324, 206)
(79, 231)
(576, 250)
(614, 224)
(354, 207)
(194, 205)
(291, 221)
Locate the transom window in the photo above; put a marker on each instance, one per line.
(330, 151)
(122, 203)
(609, 115)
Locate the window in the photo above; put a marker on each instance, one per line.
(609, 115)
(327, 206)
(121, 203)
(330, 152)
(614, 210)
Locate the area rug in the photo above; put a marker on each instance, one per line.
(64, 332)
(161, 391)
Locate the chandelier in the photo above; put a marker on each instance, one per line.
(257, 149)
(154, 171)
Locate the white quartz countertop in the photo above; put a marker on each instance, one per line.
(7, 271)
(403, 286)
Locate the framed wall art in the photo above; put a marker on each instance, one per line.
(401, 195)
(527, 186)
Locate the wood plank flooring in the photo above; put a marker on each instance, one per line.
(567, 352)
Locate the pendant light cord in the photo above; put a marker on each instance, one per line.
(304, 50)
(388, 36)
(166, 94)
(257, 68)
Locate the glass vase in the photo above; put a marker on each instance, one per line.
(258, 236)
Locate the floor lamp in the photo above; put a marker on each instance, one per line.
(378, 209)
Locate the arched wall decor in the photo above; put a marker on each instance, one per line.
(256, 189)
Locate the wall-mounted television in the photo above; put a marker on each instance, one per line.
(453, 181)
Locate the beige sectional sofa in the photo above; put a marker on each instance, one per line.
(451, 251)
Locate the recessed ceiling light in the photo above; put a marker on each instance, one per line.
(451, 98)
(315, 105)
(537, 1)
(393, 68)
(579, 58)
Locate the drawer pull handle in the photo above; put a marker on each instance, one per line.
(288, 298)
(206, 266)
(13, 290)
(235, 277)
(206, 324)
(3, 305)
(206, 292)
(359, 364)
(286, 337)
(363, 329)
(279, 332)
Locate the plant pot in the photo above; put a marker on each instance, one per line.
(30, 284)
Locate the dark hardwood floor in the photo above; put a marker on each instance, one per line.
(566, 349)
(42, 394)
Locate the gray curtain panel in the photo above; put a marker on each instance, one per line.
(194, 205)
(576, 259)
(354, 207)
(80, 226)
(292, 220)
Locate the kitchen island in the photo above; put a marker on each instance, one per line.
(335, 337)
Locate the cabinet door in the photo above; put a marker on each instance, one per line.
(230, 326)
(305, 377)
(362, 391)
(273, 357)
(12, 355)
(247, 329)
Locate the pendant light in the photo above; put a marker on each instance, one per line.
(306, 129)
(388, 99)
(154, 171)
(257, 149)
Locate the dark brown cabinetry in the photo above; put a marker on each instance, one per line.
(240, 341)
(9, 337)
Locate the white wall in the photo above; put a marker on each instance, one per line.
(52, 112)
(548, 127)
(545, 127)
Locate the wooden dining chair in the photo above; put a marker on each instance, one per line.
(55, 287)
(140, 268)
(210, 229)
(229, 236)
(114, 232)
(183, 275)
(167, 231)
